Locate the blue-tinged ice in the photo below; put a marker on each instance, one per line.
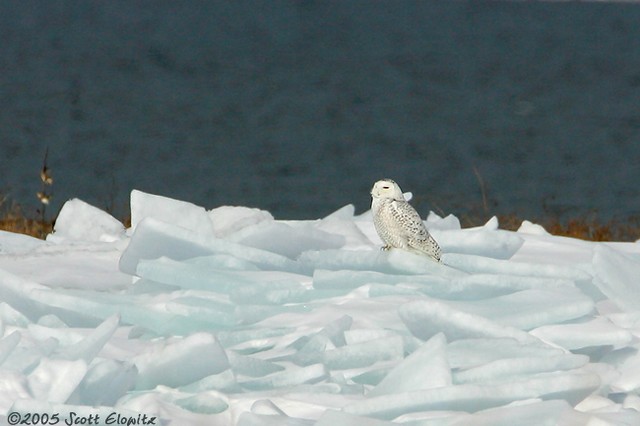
(617, 277)
(597, 332)
(179, 213)
(490, 243)
(426, 318)
(426, 368)
(364, 354)
(251, 366)
(508, 369)
(153, 239)
(531, 308)
(7, 345)
(227, 220)
(476, 264)
(571, 386)
(54, 380)
(334, 418)
(287, 240)
(292, 376)
(181, 362)
(79, 221)
(467, 353)
(89, 347)
(105, 382)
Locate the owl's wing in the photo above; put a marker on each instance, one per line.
(413, 230)
(409, 220)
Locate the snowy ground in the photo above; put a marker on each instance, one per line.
(231, 317)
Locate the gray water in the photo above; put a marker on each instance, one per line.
(298, 107)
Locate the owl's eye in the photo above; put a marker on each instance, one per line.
(385, 187)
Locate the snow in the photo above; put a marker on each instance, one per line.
(230, 316)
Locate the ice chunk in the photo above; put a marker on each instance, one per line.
(531, 413)
(425, 318)
(467, 353)
(13, 387)
(617, 277)
(496, 244)
(480, 264)
(105, 383)
(153, 239)
(528, 309)
(392, 262)
(365, 353)
(55, 380)
(252, 367)
(342, 224)
(91, 345)
(80, 221)
(181, 362)
(12, 243)
(334, 418)
(8, 344)
(287, 240)
(348, 280)
(597, 332)
(448, 223)
(168, 210)
(571, 386)
(484, 286)
(425, 368)
(507, 369)
(290, 377)
(532, 228)
(228, 220)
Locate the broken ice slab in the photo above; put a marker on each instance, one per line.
(153, 239)
(171, 211)
(484, 242)
(617, 277)
(89, 347)
(425, 318)
(287, 239)
(80, 221)
(479, 264)
(508, 369)
(597, 332)
(178, 317)
(105, 383)
(531, 308)
(364, 354)
(467, 353)
(570, 386)
(426, 368)
(8, 343)
(333, 418)
(394, 261)
(54, 380)
(292, 376)
(251, 366)
(348, 280)
(181, 362)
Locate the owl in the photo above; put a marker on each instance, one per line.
(397, 223)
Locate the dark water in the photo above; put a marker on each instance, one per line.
(297, 107)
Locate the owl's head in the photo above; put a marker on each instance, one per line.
(387, 189)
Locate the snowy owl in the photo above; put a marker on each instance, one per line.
(397, 223)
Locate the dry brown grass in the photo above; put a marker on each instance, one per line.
(14, 220)
(585, 228)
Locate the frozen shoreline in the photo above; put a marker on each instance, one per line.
(228, 316)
